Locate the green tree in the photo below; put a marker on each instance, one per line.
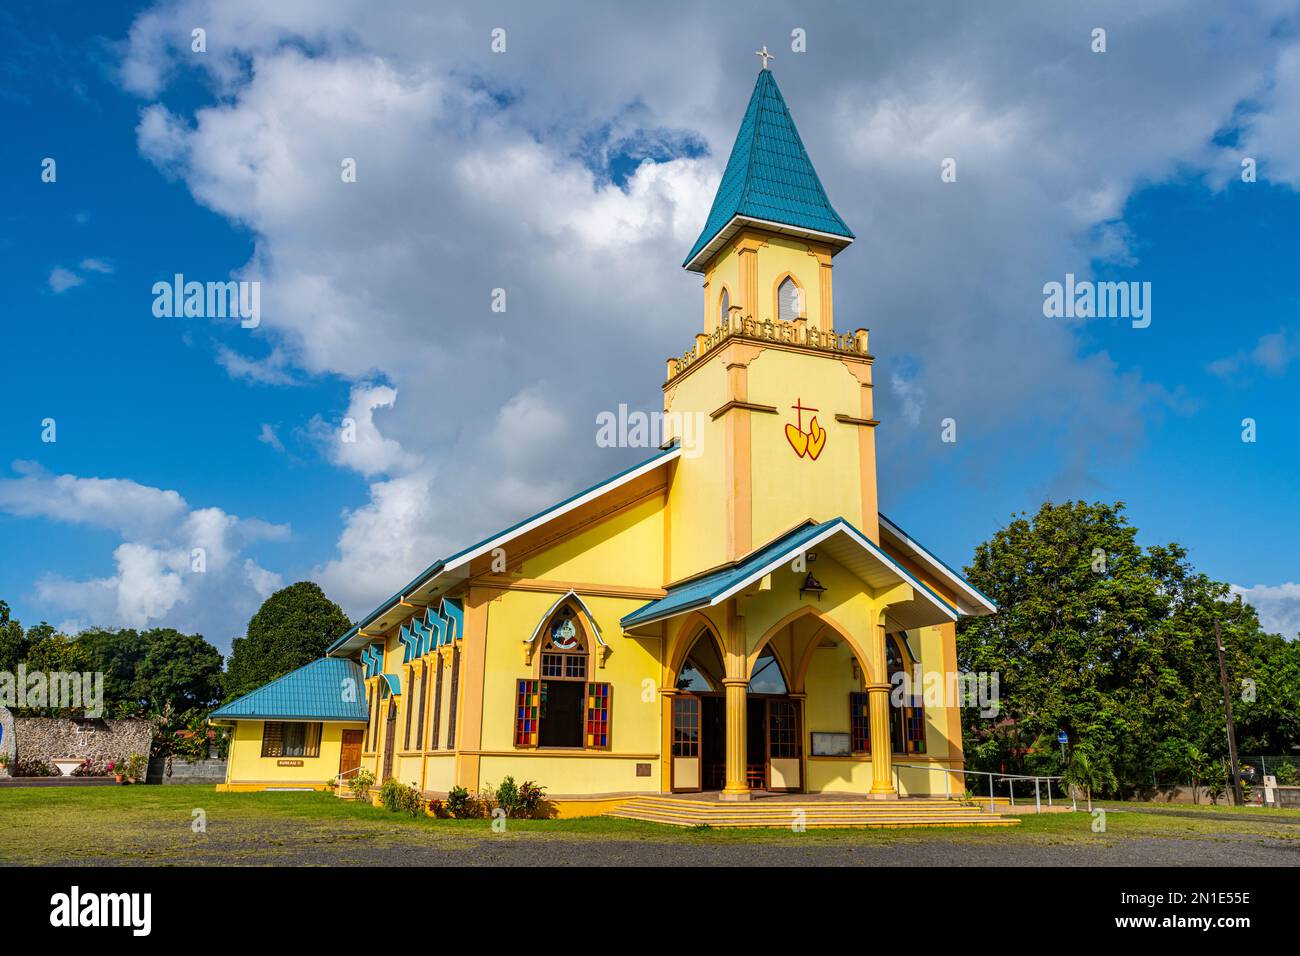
(1112, 644)
(183, 670)
(293, 627)
(13, 641)
(117, 655)
(145, 670)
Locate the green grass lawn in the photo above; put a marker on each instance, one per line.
(154, 824)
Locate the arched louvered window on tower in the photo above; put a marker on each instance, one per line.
(724, 307)
(789, 300)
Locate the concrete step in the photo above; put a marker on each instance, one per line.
(815, 814)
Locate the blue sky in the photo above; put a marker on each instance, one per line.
(574, 172)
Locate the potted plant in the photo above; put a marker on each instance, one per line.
(135, 768)
(115, 768)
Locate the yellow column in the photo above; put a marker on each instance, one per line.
(736, 683)
(882, 778)
(737, 786)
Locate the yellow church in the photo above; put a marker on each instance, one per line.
(727, 620)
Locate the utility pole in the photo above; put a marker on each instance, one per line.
(1227, 703)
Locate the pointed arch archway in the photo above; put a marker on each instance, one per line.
(797, 671)
(695, 714)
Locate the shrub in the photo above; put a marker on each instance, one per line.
(507, 797)
(135, 767)
(457, 802)
(482, 804)
(90, 768)
(401, 798)
(531, 796)
(32, 768)
(1286, 775)
(360, 784)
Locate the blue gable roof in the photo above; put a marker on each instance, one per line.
(718, 585)
(702, 590)
(769, 175)
(332, 688)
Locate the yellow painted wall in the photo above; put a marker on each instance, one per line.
(786, 488)
(631, 667)
(697, 500)
(247, 765)
(631, 541)
(440, 772)
(777, 256)
(929, 642)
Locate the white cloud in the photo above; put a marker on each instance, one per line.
(1278, 606)
(1272, 353)
(61, 279)
(271, 370)
(268, 436)
(174, 565)
(474, 172)
(356, 442)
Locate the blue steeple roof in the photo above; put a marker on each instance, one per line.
(768, 177)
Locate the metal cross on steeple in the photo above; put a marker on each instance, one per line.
(765, 55)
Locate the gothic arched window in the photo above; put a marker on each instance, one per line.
(767, 677)
(789, 300)
(724, 307)
(564, 655)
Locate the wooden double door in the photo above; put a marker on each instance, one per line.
(773, 745)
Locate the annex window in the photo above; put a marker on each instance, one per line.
(290, 739)
(789, 300)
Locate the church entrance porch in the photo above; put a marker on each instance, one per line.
(773, 726)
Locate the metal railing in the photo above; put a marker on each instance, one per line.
(338, 781)
(1010, 778)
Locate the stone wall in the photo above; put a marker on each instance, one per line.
(6, 738)
(53, 738)
(179, 770)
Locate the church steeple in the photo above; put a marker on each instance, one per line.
(769, 183)
(783, 400)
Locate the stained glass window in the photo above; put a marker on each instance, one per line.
(598, 715)
(527, 712)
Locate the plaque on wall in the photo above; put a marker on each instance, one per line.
(830, 745)
(288, 763)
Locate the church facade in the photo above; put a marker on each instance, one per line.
(731, 616)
